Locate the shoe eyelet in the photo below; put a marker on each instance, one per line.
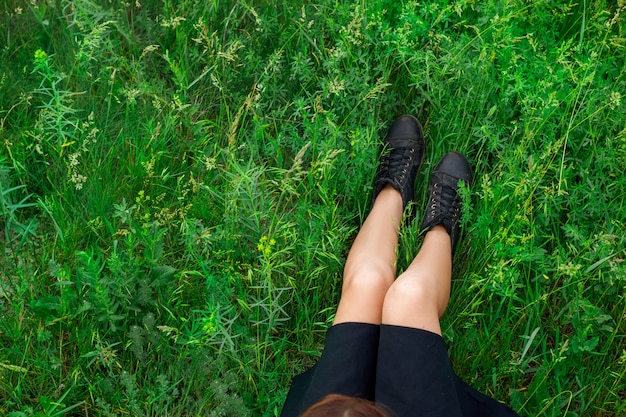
(432, 207)
(412, 150)
(404, 170)
(410, 158)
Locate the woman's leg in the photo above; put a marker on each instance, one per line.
(419, 297)
(348, 363)
(371, 264)
(414, 375)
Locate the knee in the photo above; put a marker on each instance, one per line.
(370, 281)
(410, 302)
(411, 290)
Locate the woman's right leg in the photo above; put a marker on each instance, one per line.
(419, 297)
(414, 375)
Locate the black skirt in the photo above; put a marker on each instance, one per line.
(406, 370)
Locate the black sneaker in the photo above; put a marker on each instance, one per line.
(401, 158)
(444, 204)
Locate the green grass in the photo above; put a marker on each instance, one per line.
(180, 182)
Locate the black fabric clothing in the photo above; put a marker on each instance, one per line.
(405, 369)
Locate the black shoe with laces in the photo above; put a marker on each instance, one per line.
(401, 158)
(444, 203)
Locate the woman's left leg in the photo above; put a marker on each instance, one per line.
(371, 264)
(348, 362)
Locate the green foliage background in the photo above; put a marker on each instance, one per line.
(180, 182)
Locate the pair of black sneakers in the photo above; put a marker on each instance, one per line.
(400, 161)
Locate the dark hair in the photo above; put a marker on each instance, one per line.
(335, 405)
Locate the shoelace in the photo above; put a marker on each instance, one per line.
(445, 202)
(396, 163)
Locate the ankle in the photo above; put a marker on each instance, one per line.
(390, 194)
(440, 235)
(439, 230)
(390, 200)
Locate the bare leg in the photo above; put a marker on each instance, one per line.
(419, 297)
(371, 264)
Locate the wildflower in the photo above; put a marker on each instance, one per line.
(78, 180)
(209, 163)
(149, 167)
(209, 324)
(265, 245)
(257, 19)
(131, 94)
(173, 22)
(74, 159)
(148, 49)
(41, 58)
(336, 86)
(615, 100)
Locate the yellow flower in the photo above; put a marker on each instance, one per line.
(265, 246)
(40, 57)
